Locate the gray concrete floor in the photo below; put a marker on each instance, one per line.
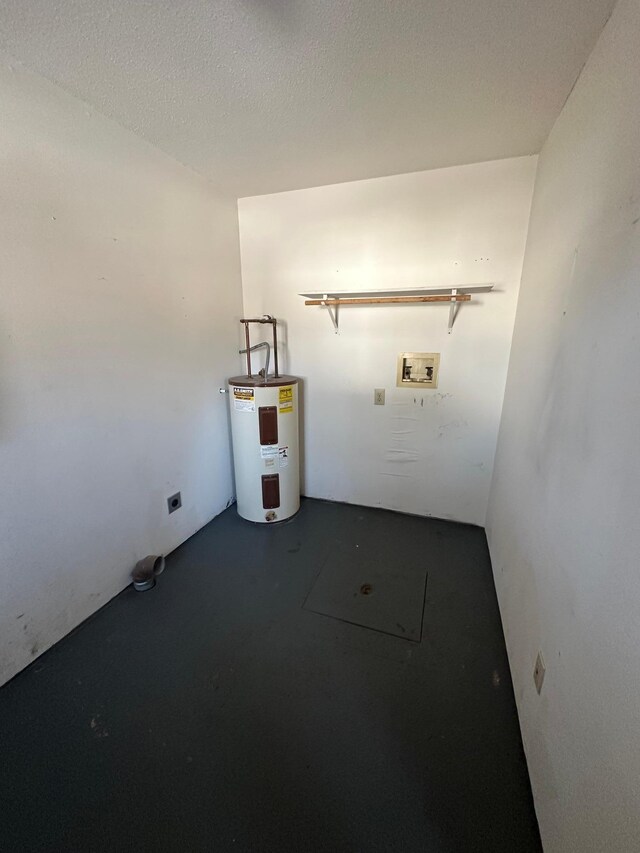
(217, 713)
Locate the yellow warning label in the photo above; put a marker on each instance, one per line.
(244, 400)
(286, 399)
(243, 393)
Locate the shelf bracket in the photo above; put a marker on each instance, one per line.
(453, 309)
(333, 312)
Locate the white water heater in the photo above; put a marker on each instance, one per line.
(264, 431)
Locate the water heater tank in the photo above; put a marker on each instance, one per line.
(264, 431)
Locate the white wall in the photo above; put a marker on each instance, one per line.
(431, 452)
(120, 299)
(563, 520)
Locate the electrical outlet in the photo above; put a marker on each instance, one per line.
(538, 672)
(174, 502)
(378, 397)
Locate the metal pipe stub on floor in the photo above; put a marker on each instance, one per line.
(145, 572)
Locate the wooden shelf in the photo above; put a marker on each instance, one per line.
(332, 299)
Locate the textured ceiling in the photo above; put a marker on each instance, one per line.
(268, 95)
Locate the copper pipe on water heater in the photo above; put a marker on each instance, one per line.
(248, 345)
(262, 345)
(275, 350)
(273, 323)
